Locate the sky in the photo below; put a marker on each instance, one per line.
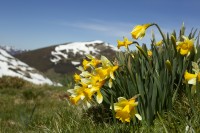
(32, 24)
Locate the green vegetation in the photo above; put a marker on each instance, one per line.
(34, 108)
(148, 83)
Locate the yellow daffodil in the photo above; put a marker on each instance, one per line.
(108, 72)
(85, 74)
(193, 78)
(85, 64)
(94, 62)
(96, 84)
(105, 62)
(103, 73)
(111, 71)
(159, 43)
(186, 46)
(149, 52)
(126, 109)
(108, 69)
(89, 84)
(139, 31)
(77, 77)
(190, 78)
(80, 93)
(124, 43)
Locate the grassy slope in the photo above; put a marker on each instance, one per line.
(41, 109)
(45, 109)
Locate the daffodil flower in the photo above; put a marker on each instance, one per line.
(105, 62)
(96, 87)
(108, 69)
(193, 78)
(94, 62)
(159, 43)
(190, 78)
(77, 77)
(89, 84)
(186, 46)
(126, 109)
(149, 53)
(124, 43)
(139, 31)
(81, 93)
(86, 64)
(103, 73)
(96, 82)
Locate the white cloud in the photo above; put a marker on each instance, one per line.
(113, 29)
(117, 30)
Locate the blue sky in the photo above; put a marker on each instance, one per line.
(31, 24)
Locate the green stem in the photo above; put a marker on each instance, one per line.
(141, 50)
(166, 131)
(163, 36)
(113, 113)
(177, 88)
(128, 50)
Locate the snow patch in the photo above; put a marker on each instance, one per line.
(75, 63)
(81, 48)
(10, 66)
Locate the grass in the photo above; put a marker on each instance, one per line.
(46, 109)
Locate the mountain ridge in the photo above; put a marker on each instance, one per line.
(12, 50)
(11, 66)
(62, 59)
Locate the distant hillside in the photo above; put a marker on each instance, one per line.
(12, 50)
(10, 66)
(61, 60)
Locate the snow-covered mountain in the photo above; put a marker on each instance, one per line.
(60, 61)
(10, 66)
(12, 50)
(73, 50)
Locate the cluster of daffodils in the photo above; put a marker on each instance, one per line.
(137, 32)
(88, 84)
(193, 78)
(95, 73)
(184, 47)
(125, 109)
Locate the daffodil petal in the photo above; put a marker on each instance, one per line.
(82, 97)
(99, 97)
(71, 91)
(85, 74)
(192, 81)
(138, 116)
(80, 68)
(110, 83)
(88, 104)
(120, 99)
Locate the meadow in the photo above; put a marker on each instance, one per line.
(32, 108)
